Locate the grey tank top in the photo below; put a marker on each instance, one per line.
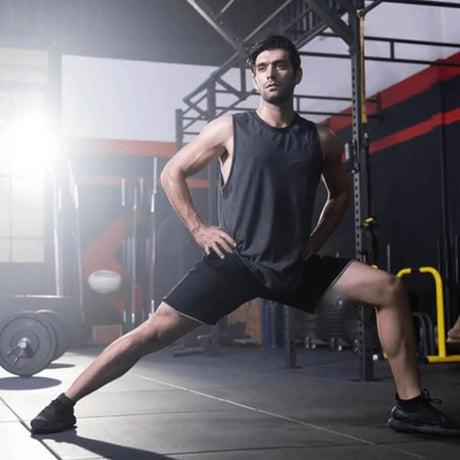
(267, 202)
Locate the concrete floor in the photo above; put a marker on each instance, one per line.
(240, 405)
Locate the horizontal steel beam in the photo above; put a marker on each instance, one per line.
(426, 3)
(400, 40)
(381, 59)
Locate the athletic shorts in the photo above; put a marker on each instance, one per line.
(215, 287)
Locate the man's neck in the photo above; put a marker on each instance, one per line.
(278, 117)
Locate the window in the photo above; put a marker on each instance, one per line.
(24, 150)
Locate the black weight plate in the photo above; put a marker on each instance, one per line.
(61, 330)
(40, 336)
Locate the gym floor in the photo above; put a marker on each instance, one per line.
(240, 405)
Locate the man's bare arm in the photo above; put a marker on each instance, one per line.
(336, 181)
(210, 145)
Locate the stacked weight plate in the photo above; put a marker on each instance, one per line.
(30, 341)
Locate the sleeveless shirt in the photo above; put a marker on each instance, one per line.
(267, 202)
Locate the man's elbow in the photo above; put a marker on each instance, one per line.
(342, 198)
(170, 174)
(164, 177)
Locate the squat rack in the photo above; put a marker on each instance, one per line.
(301, 21)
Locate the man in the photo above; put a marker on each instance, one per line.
(271, 162)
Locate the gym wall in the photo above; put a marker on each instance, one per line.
(414, 168)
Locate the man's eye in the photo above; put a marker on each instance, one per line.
(261, 68)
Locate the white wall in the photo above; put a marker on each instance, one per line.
(327, 76)
(119, 99)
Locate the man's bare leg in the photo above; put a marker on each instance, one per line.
(364, 285)
(163, 328)
(453, 335)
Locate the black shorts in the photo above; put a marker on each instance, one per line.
(215, 287)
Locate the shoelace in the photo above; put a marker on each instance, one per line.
(426, 395)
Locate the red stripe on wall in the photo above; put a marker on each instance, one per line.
(419, 82)
(197, 183)
(405, 89)
(416, 130)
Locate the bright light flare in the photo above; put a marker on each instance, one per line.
(32, 146)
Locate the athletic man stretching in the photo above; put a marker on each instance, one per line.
(271, 162)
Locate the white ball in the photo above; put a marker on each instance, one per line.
(104, 281)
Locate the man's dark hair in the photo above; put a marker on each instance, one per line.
(270, 43)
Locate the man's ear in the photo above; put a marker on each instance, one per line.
(298, 76)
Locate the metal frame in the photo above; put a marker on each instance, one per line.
(309, 18)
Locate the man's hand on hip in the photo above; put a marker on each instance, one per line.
(212, 238)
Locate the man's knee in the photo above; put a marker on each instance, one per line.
(162, 328)
(392, 289)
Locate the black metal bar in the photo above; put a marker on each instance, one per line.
(230, 89)
(308, 96)
(225, 8)
(446, 223)
(413, 61)
(206, 15)
(425, 3)
(405, 41)
(191, 133)
(194, 118)
(310, 112)
(267, 20)
(333, 20)
(361, 177)
(379, 58)
(54, 103)
(370, 7)
(456, 259)
(179, 132)
(290, 352)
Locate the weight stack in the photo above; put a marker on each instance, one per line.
(338, 324)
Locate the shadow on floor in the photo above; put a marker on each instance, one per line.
(102, 448)
(27, 383)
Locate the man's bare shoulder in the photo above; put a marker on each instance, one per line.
(221, 126)
(330, 143)
(325, 134)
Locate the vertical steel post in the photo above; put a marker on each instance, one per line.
(179, 129)
(212, 175)
(446, 223)
(53, 99)
(361, 189)
(290, 351)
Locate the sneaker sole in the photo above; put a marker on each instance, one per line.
(405, 427)
(53, 429)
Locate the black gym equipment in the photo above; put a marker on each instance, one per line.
(27, 343)
(61, 330)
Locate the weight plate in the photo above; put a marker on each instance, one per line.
(27, 343)
(61, 330)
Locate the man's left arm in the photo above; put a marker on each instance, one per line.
(335, 179)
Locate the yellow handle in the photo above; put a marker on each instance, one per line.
(439, 304)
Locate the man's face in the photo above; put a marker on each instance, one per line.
(274, 78)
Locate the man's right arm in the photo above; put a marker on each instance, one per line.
(210, 145)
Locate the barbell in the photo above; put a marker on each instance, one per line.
(30, 341)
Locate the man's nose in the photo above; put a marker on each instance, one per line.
(270, 71)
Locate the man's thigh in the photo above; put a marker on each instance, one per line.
(213, 288)
(364, 285)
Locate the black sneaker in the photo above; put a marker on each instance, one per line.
(57, 416)
(419, 416)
